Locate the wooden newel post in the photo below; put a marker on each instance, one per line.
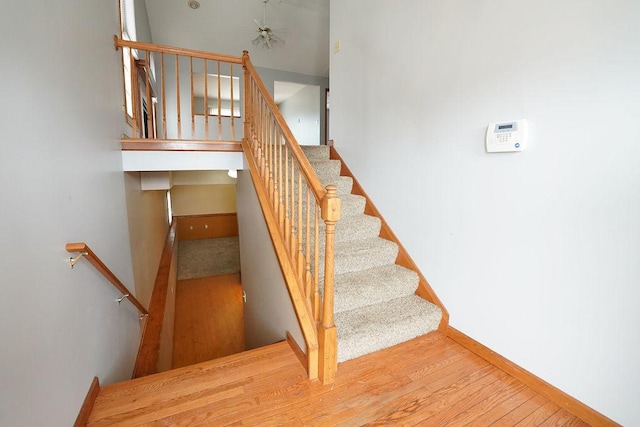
(327, 334)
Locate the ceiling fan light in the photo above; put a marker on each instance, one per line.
(265, 33)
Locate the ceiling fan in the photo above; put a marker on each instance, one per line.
(266, 36)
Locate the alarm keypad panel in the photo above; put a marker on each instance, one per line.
(506, 137)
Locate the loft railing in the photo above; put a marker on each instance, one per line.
(84, 251)
(172, 109)
(297, 201)
(181, 96)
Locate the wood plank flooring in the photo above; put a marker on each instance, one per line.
(430, 381)
(208, 319)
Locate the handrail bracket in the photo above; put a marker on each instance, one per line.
(74, 259)
(122, 298)
(84, 251)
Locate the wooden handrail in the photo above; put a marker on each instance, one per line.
(84, 249)
(309, 174)
(303, 311)
(159, 81)
(289, 187)
(292, 199)
(158, 48)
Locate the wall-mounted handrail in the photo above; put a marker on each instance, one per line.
(86, 252)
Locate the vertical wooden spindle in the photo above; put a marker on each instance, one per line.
(287, 230)
(307, 234)
(179, 115)
(219, 105)
(193, 114)
(300, 253)
(316, 263)
(147, 89)
(280, 177)
(135, 105)
(206, 101)
(164, 97)
(233, 108)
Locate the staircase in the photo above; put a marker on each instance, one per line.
(375, 301)
(376, 307)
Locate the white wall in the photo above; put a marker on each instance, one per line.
(535, 254)
(270, 76)
(62, 181)
(148, 227)
(203, 199)
(143, 30)
(268, 312)
(302, 113)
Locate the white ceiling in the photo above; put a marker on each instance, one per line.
(285, 90)
(227, 26)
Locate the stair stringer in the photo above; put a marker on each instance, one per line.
(403, 259)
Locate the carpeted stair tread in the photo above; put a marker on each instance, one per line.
(350, 204)
(356, 227)
(327, 169)
(372, 328)
(375, 285)
(344, 184)
(375, 302)
(363, 254)
(316, 152)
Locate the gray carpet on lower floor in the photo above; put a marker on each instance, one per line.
(208, 257)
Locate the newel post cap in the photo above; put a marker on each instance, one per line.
(331, 204)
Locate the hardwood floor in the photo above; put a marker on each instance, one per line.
(208, 319)
(430, 381)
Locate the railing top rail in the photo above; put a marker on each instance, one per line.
(119, 43)
(312, 180)
(83, 248)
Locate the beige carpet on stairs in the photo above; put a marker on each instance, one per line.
(375, 302)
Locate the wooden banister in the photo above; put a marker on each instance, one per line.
(292, 199)
(85, 251)
(161, 78)
(311, 177)
(158, 48)
(287, 185)
(303, 311)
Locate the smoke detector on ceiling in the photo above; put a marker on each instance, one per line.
(193, 4)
